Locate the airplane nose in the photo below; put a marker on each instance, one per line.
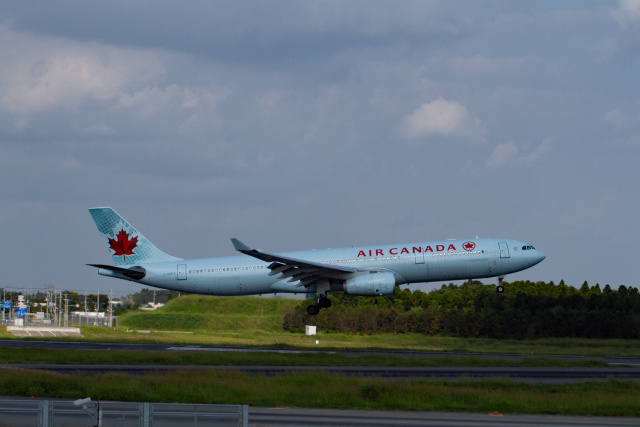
(541, 256)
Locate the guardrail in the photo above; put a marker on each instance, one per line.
(50, 413)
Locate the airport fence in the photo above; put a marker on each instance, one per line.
(83, 412)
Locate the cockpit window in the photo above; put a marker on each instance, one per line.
(526, 248)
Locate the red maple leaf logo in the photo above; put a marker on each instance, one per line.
(122, 245)
(469, 246)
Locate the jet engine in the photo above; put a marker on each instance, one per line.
(370, 284)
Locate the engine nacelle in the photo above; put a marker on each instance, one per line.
(370, 284)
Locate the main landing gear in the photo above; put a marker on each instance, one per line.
(323, 302)
(500, 288)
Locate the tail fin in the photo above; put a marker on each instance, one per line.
(126, 244)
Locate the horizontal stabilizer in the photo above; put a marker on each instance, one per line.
(135, 273)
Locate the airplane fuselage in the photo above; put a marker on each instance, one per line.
(408, 263)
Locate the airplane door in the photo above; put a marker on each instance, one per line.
(182, 271)
(504, 250)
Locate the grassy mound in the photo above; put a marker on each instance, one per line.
(213, 314)
(166, 321)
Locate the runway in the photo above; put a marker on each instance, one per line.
(524, 374)
(537, 375)
(407, 354)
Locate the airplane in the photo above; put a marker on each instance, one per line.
(364, 271)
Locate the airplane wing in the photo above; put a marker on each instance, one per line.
(307, 272)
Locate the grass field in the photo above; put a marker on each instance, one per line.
(611, 398)
(250, 321)
(257, 322)
(197, 313)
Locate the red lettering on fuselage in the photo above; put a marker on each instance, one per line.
(414, 249)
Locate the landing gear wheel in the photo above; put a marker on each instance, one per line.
(500, 289)
(324, 302)
(312, 310)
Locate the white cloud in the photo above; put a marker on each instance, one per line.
(628, 11)
(509, 153)
(615, 117)
(442, 117)
(58, 80)
(605, 48)
(269, 103)
(43, 75)
(149, 101)
(270, 99)
(502, 154)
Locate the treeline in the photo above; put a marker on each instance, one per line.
(525, 310)
(147, 295)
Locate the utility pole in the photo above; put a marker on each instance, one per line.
(47, 299)
(52, 314)
(66, 311)
(110, 308)
(59, 307)
(97, 310)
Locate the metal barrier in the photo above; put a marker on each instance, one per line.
(52, 413)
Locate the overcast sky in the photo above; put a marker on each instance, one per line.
(311, 124)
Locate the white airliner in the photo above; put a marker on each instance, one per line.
(366, 270)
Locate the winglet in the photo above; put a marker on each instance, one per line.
(239, 246)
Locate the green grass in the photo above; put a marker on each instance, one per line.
(611, 398)
(213, 315)
(256, 322)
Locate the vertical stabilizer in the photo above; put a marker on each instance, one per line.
(126, 245)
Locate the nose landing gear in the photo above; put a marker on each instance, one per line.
(500, 288)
